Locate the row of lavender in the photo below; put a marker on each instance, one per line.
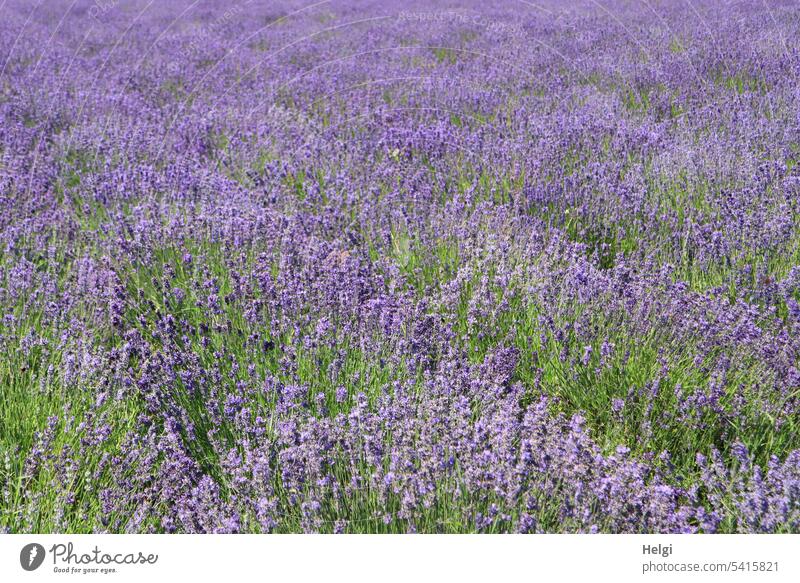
(357, 267)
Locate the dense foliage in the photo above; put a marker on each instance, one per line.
(362, 266)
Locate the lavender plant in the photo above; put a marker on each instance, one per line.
(376, 267)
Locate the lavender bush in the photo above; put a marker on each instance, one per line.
(363, 266)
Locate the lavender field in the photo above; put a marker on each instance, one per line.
(363, 266)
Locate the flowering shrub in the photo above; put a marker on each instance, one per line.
(358, 267)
